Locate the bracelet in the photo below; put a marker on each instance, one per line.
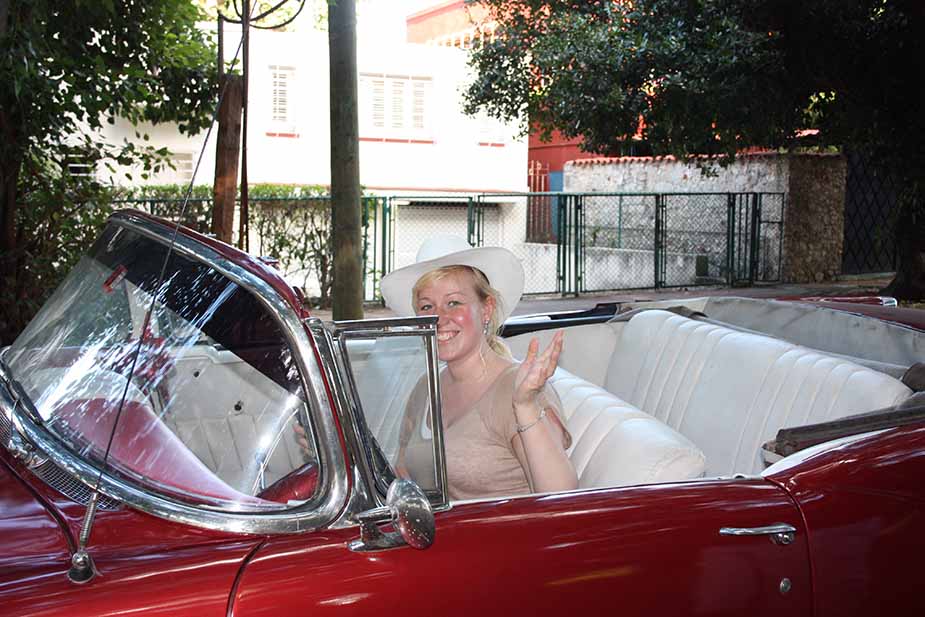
(521, 429)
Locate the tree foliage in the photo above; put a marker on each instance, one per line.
(716, 76)
(68, 66)
(705, 76)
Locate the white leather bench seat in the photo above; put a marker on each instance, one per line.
(725, 391)
(616, 444)
(730, 391)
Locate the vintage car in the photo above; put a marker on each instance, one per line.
(180, 437)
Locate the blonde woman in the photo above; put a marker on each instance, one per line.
(503, 430)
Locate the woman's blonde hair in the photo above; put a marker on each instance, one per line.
(483, 290)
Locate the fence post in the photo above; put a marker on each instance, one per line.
(365, 204)
(579, 231)
(660, 213)
(562, 242)
(754, 238)
(620, 222)
(730, 238)
(470, 223)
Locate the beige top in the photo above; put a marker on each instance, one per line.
(480, 458)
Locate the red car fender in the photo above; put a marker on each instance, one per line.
(864, 510)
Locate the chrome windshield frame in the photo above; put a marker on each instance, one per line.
(318, 512)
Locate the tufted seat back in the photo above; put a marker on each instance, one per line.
(730, 391)
(616, 444)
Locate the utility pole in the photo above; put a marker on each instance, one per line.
(227, 148)
(347, 284)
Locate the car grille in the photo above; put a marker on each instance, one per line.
(5, 428)
(73, 489)
(57, 478)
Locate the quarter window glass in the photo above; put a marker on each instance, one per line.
(390, 374)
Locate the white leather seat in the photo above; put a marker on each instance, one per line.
(616, 444)
(726, 391)
(731, 391)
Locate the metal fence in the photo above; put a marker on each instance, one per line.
(583, 242)
(871, 198)
(295, 232)
(620, 241)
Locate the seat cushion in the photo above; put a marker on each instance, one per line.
(730, 391)
(616, 444)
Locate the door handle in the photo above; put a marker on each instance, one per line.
(781, 533)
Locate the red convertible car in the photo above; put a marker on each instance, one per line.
(180, 437)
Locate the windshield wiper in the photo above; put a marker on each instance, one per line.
(18, 392)
(17, 443)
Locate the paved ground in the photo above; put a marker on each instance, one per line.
(546, 304)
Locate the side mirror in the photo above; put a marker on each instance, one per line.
(408, 510)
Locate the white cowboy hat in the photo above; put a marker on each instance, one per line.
(502, 268)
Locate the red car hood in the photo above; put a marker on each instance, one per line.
(29, 534)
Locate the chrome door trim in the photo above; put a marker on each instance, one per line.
(781, 533)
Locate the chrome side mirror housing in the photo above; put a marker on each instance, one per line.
(409, 512)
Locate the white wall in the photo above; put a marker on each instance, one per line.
(748, 173)
(454, 161)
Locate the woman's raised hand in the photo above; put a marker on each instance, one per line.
(536, 369)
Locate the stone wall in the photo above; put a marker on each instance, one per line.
(765, 173)
(814, 229)
(813, 185)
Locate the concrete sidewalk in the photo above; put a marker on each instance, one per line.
(547, 304)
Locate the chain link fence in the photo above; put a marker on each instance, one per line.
(292, 233)
(418, 218)
(594, 242)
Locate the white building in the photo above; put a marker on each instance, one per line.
(414, 138)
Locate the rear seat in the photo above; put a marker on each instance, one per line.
(723, 390)
(616, 444)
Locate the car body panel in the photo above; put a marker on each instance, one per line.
(636, 551)
(28, 532)
(144, 563)
(181, 581)
(865, 512)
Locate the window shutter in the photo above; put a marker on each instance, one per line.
(418, 120)
(282, 78)
(379, 103)
(398, 104)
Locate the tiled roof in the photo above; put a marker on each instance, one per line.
(620, 160)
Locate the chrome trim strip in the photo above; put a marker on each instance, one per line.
(767, 530)
(360, 498)
(316, 513)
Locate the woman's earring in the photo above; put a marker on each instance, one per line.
(485, 328)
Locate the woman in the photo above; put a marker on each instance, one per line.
(503, 432)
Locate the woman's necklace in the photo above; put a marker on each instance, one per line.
(482, 373)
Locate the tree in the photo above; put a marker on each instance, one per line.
(68, 66)
(347, 283)
(716, 76)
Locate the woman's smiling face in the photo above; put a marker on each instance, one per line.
(461, 314)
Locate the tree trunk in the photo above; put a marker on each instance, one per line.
(227, 153)
(347, 286)
(10, 259)
(909, 283)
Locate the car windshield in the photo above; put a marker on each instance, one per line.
(214, 410)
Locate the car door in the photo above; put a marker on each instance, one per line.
(648, 550)
(733, 546)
